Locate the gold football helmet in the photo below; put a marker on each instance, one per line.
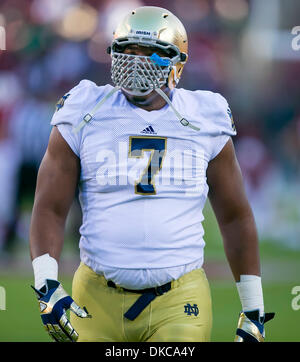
(149, 26)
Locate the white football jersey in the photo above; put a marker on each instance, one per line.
(143, 175)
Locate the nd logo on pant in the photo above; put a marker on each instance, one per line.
(191, 309)
(2, 299)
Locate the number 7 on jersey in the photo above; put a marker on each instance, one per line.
(158, 147)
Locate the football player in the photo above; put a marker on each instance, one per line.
(145, 155)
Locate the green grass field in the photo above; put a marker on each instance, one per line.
(20, 322)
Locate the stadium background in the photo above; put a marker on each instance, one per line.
(242, 49)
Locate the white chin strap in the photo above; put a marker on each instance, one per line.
(182, 120)
(89, 116)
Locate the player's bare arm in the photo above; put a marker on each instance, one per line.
(233, 213)
(56, 185)
(237, 225)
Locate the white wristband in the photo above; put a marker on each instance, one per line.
(250, 291)
(44, 267)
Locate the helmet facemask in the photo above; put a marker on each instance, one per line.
(139, 75)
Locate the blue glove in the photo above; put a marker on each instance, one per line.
(53, 302)
(251, 326)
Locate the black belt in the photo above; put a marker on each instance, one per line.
(146, 298)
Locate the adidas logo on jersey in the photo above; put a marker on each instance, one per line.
(148, 130)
